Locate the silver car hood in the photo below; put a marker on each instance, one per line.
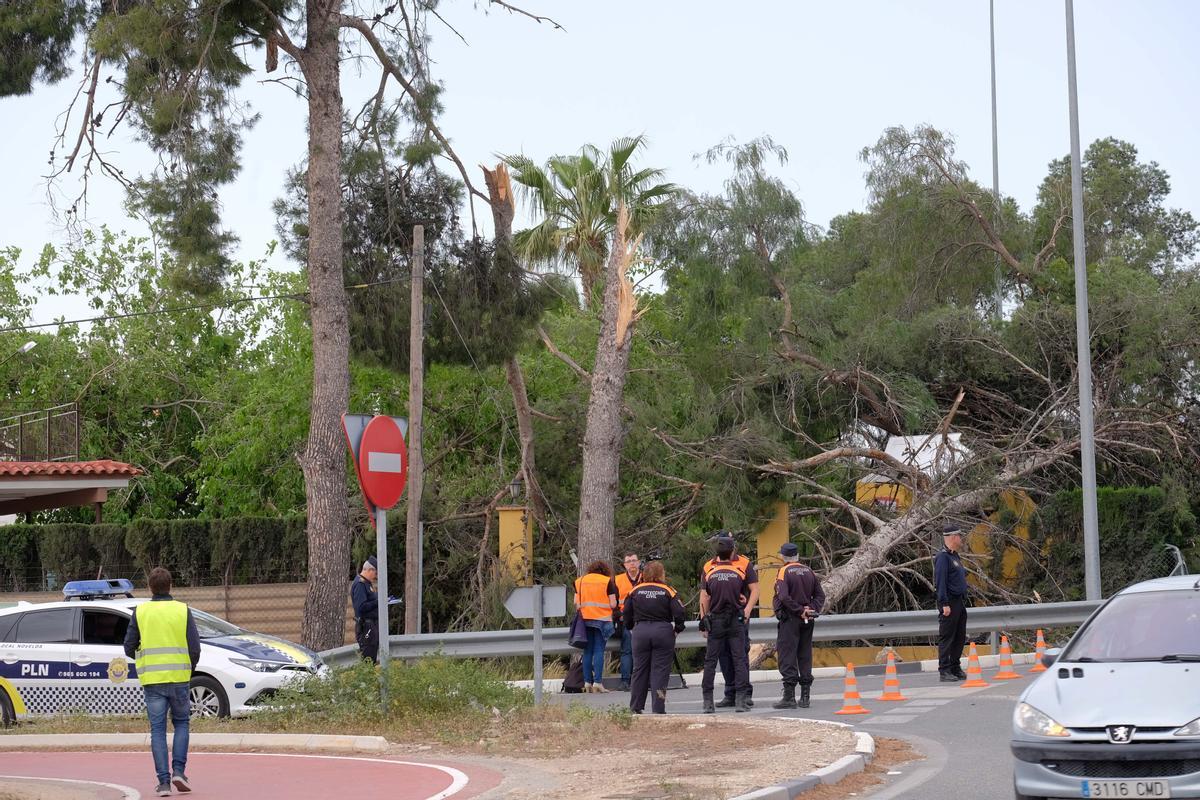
(1145, 694)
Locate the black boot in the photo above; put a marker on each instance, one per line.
(726, 702)
(805, 694)
(743, 702)
(709, 708)
(789, 697)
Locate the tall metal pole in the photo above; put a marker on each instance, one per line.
(416, 461)
(1087, 450)
(538, 610)
(999, 300)
(381, 592)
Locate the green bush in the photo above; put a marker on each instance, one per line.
(18, 553)
(429, 688)
(259, 549)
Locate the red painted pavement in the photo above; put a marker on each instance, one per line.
(238, 776)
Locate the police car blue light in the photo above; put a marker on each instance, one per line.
(91, 590)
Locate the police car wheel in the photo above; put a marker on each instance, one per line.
(208, 698)
(8, 717)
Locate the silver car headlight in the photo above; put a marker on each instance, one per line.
(1191, 729)
(258, 666)
(1030, 720)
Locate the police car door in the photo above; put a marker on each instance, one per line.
(40, 668)
(102, 671)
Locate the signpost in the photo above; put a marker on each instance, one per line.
(537, 602)
(381, 464)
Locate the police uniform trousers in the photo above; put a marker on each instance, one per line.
(653, 653)
(726, 663)
(793, 650)
(727, 633)
(367, 635)
(952, 634)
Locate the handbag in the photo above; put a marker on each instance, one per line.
(577, 634)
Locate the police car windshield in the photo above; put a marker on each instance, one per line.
(210, 627)
(1143, 626)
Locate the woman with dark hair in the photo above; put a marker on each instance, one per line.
(596, 597)
(654, 614)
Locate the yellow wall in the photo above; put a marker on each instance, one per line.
(979, 546)
(767, 558)
(516, 543)
(869, 493)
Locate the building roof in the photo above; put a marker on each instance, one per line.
(50, 469)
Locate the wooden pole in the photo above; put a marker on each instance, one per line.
(416, 463)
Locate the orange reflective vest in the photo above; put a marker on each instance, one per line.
(670, 591)
(739, 564)
(624, 587)
(591, 596)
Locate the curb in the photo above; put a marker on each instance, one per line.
(554, 685)
(864, 752)
(288, 741)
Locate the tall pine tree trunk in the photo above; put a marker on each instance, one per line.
(605, 433)
(324, 459)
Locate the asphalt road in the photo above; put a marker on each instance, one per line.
(963, 733)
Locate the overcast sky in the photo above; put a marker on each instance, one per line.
(823, 78)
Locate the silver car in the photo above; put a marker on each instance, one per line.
(1118, 712)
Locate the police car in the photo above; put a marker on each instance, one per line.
(68, 657)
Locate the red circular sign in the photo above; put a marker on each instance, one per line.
(382, 462)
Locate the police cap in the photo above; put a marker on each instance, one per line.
(789, 550)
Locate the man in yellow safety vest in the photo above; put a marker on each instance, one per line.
(165, 645)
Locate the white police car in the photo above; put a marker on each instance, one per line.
(68, 657)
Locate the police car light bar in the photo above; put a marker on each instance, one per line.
(91, 590)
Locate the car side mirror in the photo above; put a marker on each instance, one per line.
(1050, 656)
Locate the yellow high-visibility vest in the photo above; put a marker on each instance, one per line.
(163, 655)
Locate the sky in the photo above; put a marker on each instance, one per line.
(823, 79)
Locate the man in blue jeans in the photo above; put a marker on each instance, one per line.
(165, 645)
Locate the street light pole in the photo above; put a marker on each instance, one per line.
(1087, 449)
(999, 313)
(25, 348)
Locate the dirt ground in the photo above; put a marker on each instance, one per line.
(889, 754)
(674, 758)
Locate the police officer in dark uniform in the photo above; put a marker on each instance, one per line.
(726, 659)
(728, 594)
(366, 610)
(798, 600)
(950, 581)
(654, 615)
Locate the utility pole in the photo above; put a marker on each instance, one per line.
(416, 461)
(999, 313)
(1087, 433)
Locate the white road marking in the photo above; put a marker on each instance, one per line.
(929, 702)
(885, 720)
(384, 462)
(128, 792)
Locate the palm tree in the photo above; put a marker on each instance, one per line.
(592, 207)
(577, 197)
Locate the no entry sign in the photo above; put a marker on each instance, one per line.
(380, 457)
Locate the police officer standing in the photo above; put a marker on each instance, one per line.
(750, 592)
(728, 594)
(798, 600)
(625, 582)
(366, 610)
(652, 615)
(950, 581)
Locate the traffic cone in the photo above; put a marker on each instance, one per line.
(1038, 666)
(851, 702)
(891, 682)
(974, 671)
(1006, 672)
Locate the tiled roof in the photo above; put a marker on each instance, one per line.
(43, 469)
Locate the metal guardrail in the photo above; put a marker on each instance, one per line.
(832, 627)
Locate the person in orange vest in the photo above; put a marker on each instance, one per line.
(728, 595)
(749, 600)
(798, 600)
(625, 581)
(653, 615)
(596, 599)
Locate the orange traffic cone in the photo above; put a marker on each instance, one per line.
(891, 683)
(974, 671)
(851, 702)
(1038, 666)
(1006, 672)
